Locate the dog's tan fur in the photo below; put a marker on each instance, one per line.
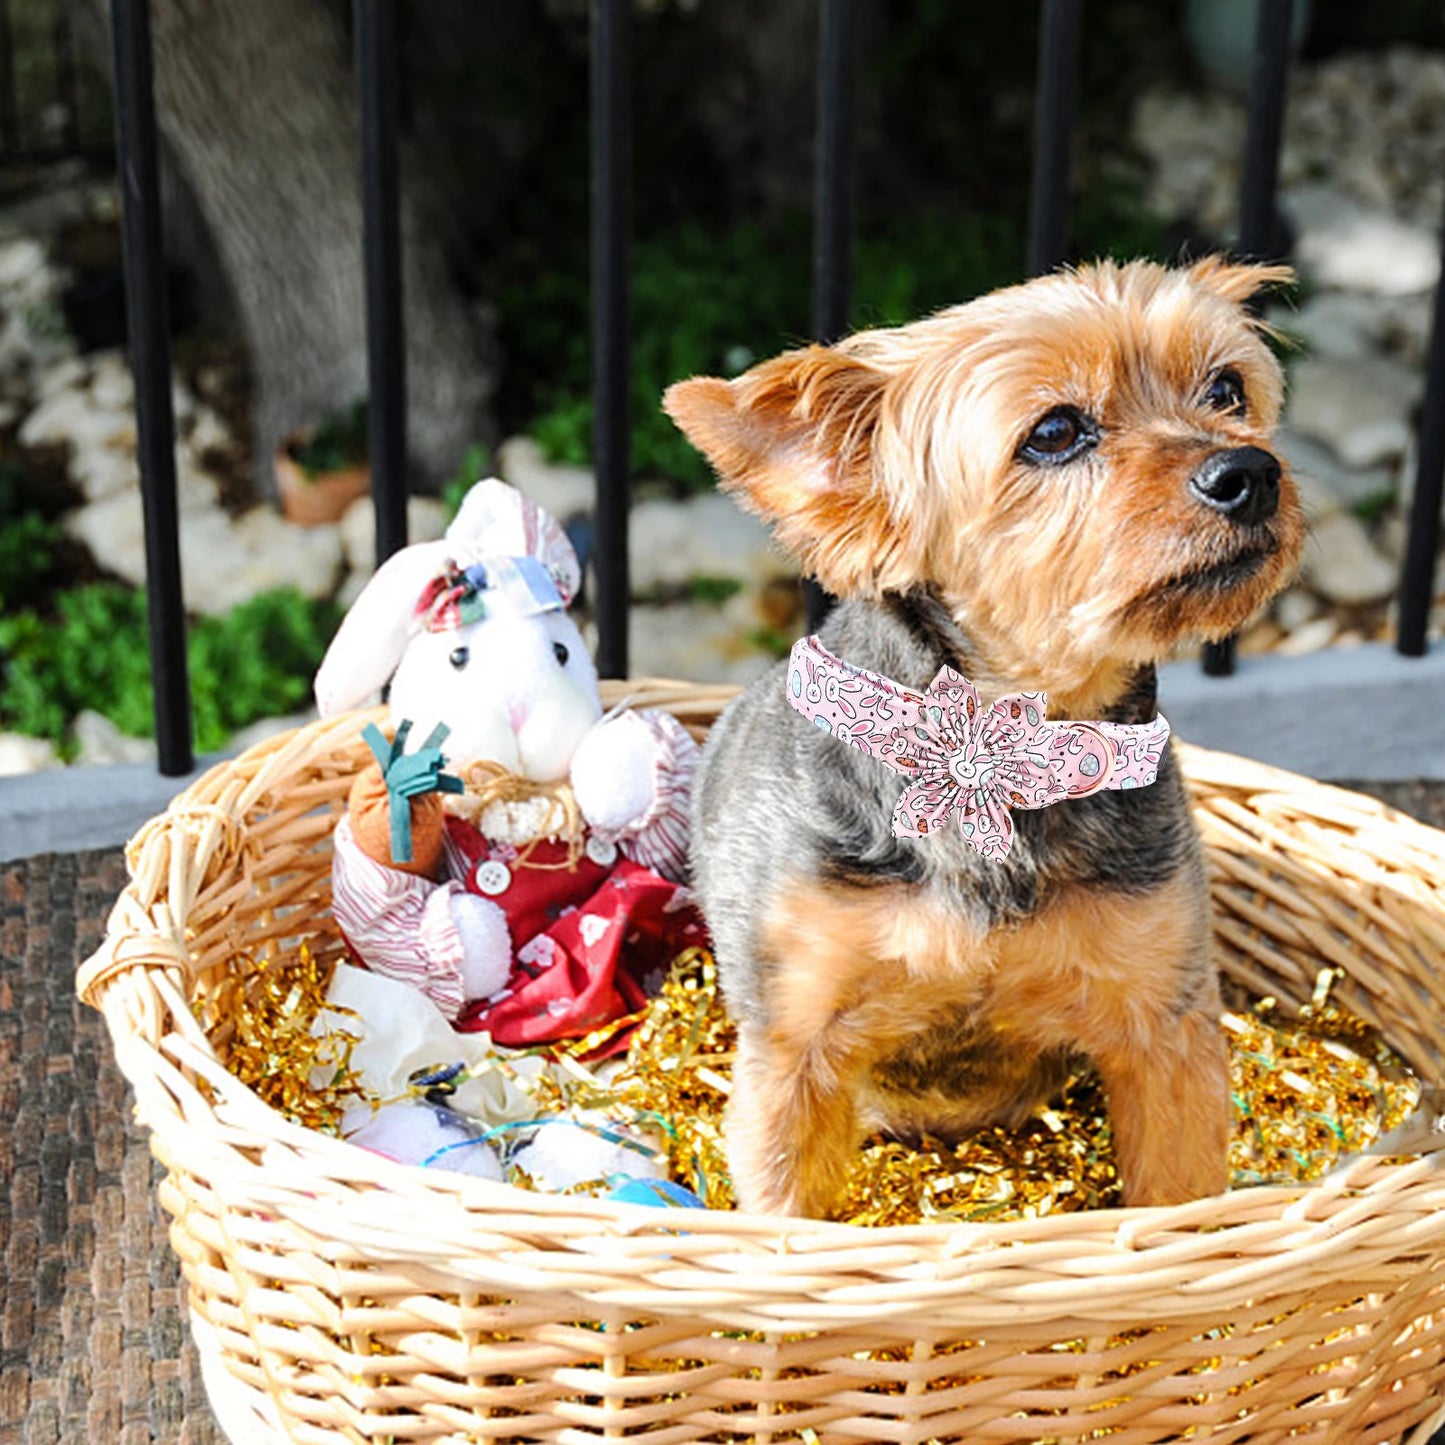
(891, 465)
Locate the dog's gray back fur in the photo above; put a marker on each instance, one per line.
(776, 798)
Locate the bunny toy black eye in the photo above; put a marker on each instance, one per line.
(1225, 392)
(559, 651)
(459, 657)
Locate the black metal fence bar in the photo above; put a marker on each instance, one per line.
(150, 359)
(67, 87)
(1268, 82)
(1417, 573)
(9, 106)
(1258, 186)
(833, 201)
(376, 80)
(833, 170)
(611, 321)
(1055, 104)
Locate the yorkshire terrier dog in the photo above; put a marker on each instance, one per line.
(1044, 489)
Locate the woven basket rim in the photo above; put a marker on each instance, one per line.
(816, 1267)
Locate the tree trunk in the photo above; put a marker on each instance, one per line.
(257, 101)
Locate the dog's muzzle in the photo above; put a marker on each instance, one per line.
(1241, 483)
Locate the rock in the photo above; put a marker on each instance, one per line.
(105, 473)
(71, 418)
(223, 562)
(25, 271)
(1392, 534)
(1262, 638)
(1342, 244)
(112, 387)
(209, 433)
(426, 520)
(1342, 565)
(99, 743)
(20, 754)
(351, 588)
(1294, 608)
(1194, 143)
(267, 728)
(1358, 410)
(695, 642)
(102, 471)
(1309, 638)
(67, 374)
(226, 562)
(563, 490)
(708, 536)
(1324, 484)
(1336, 324)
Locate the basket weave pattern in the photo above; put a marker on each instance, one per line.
(338, 1297)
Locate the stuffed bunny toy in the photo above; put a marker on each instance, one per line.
(505, 927)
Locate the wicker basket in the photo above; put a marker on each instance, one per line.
(337, 1297)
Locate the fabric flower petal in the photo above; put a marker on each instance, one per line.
(993, 830)
(923, 809)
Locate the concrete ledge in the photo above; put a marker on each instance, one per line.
(1359, 712)
(64, 810)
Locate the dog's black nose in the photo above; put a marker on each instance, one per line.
(1243, 483)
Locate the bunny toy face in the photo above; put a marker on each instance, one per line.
(518, 691)
(473, 632)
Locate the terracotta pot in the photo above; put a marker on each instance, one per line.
(310, 501)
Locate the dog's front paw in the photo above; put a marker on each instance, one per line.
(790, 1138)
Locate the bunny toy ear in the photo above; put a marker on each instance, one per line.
(496, 520)
(374, 633)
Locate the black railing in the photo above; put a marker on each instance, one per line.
(611, 236)
(376, 79)
(1258, 223)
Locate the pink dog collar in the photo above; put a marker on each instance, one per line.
(963, 758)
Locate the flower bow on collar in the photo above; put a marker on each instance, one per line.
(966, 759)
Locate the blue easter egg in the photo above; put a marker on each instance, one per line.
(795, 680)
(660, 1193)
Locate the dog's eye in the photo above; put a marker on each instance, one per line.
(559, 651)
(1225, 392)
(458, 657)
(1059, 436)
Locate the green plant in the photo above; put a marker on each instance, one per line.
(28, 542)
(1369, 509)
(709, 301)
(714, 590)
(337, 442)
(255, 662)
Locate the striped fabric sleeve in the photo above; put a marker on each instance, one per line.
(659, 839)
(400, 926)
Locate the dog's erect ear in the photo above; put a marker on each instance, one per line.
(794, 437)
(1237, 281)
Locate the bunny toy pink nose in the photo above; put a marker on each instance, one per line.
(517, 715)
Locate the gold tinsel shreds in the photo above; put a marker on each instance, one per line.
(261, 1018)
(1308, 1092)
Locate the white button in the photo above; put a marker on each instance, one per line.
(601, 852)
(492, 877)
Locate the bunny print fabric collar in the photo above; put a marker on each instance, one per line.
(963, 759)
